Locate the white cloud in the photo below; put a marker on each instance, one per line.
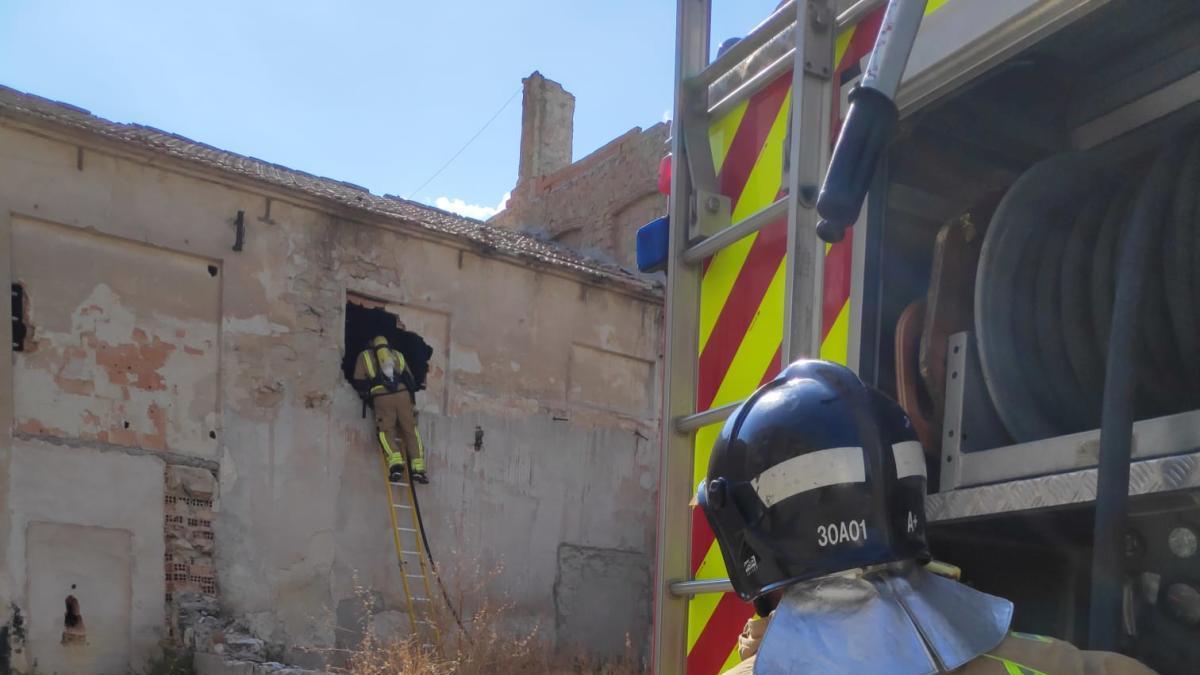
(666, 116)
(477, 211)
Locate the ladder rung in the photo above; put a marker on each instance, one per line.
(854, 12)
(690, 423)
(420, 598)
(751, 86)
(402, 506)
(406, 529)
(757, 221)
(697, 586)
(747, 45)
(399, 484)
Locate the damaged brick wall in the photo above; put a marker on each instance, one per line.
(111, 358)
(188, 512)
(598, 203)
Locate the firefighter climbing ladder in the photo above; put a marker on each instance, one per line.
(412, 551)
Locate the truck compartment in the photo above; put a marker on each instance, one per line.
(995, 250)
(1041, 560)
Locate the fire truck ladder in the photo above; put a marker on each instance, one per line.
(700, 225)
(417, 574)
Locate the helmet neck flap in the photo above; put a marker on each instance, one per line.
(896, 620)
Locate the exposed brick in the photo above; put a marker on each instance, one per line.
(188, 562)
(596, 204)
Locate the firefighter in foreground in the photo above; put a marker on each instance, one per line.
(382, 377)
(816, 493)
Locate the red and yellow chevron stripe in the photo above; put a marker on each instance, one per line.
(742, 308)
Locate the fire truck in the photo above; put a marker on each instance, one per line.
(1029, 248)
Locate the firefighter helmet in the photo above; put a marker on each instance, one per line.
(814, 474)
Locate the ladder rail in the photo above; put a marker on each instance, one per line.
(408, 603)
(419, 527)
(408, 501)
(669, 646)
(810, 60)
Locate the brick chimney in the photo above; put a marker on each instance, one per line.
(547, 126)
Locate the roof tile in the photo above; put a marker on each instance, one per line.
(20, 105)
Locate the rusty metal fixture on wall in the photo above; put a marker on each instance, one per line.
(239, 224)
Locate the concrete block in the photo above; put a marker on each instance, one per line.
(244, 647)
(353, 615)
(194, 482)
(600, 598)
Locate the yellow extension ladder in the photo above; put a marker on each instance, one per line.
(412, 552)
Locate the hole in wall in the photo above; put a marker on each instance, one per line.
(212, 434)
(73, 628)
(212, 270)
(20, 330)
(73, 616)
(364, 323)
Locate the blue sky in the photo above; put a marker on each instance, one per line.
(375, 92)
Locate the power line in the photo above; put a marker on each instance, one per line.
(467, 144)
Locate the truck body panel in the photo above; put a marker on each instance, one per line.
(732, 315)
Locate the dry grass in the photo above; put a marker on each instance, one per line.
(486, 647)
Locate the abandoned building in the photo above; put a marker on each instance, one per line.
(595, 204)
(177, 438)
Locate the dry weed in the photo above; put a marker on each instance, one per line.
(482, 642)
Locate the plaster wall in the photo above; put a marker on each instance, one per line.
(229, 362)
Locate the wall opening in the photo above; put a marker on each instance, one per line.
(19, 328)
(366, 319)
(73, 629)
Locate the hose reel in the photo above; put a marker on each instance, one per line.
(1045, 287)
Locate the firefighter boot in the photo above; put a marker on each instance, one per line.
(418, 471)
(396, 473)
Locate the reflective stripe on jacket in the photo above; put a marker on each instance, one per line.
(369, 370)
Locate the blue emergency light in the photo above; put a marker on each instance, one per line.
(652, 241)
